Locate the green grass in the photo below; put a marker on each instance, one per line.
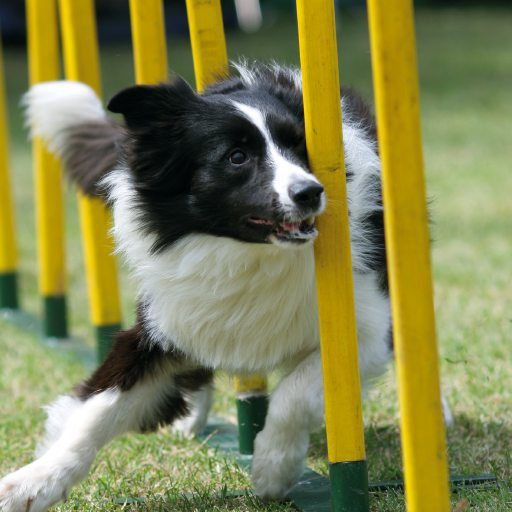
(466, 72)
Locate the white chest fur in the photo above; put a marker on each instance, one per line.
(234, 305)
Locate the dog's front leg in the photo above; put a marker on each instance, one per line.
(296, 408)
(85, 427)
(137, 388)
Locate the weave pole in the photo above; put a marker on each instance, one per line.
(322, 112)
(81, 62)
(148, 41)
(210, 63)
(208, 41)
(407, 241)
(8, 249)
(44, 65)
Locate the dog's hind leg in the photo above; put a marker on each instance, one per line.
(139, 387)
(296, 408)
(199, 405)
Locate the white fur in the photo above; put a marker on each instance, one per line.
(296, 408)
(373, 327)
(363, 197)
(68, 456)
(57, 414)
(285, 172)
(52, 108)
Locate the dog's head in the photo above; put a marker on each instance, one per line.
(231, 162)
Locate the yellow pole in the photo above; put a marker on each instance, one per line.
(81, 59)
(322, 111)
(407, 237)
(149, 45)
(44, 65)
(208, 41)
(8, 251)
(211, 63)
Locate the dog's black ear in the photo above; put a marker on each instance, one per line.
(142, 105)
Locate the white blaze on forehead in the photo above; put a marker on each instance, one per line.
(285, 172)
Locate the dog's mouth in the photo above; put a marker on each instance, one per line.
(297, 232)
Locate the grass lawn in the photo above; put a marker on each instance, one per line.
(466, 75)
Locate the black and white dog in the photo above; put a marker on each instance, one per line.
(214, 208)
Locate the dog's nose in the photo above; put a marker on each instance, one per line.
(306, 193)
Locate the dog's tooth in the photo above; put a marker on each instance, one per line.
(310, 220)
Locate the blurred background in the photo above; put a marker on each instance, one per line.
(465, 60)
(244, 14)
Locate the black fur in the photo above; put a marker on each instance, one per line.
(92, 150)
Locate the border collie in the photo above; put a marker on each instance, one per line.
(214, 208)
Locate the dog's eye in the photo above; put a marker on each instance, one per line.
(237, 157)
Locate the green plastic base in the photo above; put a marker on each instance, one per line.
(104, 339)
(251, 419)
(55, 321)
(349, 486)
(9, 291)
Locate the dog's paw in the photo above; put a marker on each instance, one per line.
(199, 404)
(31, 489)
(193, 424)
(189, 426)
(277, 464)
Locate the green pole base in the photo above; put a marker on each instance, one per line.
(104, 339)
(55, 318)
(349, 486)
(252, 411)
(9, 290)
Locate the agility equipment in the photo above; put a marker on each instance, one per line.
(81, 62)
(406, 225)
(8, 248)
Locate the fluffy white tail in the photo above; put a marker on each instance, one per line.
(52, 108)
(70, 119)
